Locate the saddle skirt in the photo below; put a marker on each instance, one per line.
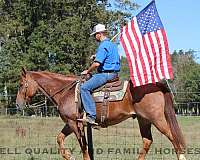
(112, 91)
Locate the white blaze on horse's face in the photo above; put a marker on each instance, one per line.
(27, 89)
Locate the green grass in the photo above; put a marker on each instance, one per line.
(20, 136)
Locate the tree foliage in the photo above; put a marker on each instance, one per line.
(54, 35)
(50, 35)
(187, 76)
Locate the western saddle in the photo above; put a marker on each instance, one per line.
(106, 93)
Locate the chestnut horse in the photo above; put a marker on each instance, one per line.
(150, 104)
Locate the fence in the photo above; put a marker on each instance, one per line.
(42, 107)
(31, 138)
(188, 109)
(44, 110)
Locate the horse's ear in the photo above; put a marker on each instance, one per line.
(23, 72)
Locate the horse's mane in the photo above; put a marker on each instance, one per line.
(52, 76)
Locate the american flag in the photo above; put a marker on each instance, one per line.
(145, 44)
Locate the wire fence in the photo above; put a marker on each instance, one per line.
(31, 138)
(42, 107)
(28, 135)
(44, 110)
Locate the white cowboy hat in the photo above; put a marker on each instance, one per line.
(98, 28)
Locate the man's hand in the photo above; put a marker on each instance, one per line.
(84, 72)
(91, 68)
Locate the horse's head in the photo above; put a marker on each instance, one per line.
(27, 89)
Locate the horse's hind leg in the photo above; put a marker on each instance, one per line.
(60, 140)
(162, 125)
(145, 130)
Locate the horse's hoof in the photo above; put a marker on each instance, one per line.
(182, 157)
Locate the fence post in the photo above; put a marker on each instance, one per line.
(40, 112)
(45, 101)
(6, 111)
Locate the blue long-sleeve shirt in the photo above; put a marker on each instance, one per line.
(108, 57)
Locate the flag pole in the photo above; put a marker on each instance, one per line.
(112, 39)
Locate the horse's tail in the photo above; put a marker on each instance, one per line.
(173, 124)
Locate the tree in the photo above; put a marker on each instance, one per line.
(187, 75)
(51, 34)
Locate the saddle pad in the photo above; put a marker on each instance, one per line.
(114, 95)
(99, 96)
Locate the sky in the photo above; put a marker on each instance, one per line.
(181, 20)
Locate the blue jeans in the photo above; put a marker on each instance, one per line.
(87, 87)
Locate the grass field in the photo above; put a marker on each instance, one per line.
(34, 139)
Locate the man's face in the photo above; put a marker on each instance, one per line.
(97, 36)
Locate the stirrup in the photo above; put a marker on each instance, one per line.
(83, 120)
(86, 121)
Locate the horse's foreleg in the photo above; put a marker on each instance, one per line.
(84, 149)
(82, 140)
(60, 139)
(145, 130)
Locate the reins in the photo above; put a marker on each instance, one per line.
(50, 97)
(66, 87)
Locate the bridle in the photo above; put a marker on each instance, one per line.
(26, 88)
(25, 93)
(41, 88)
(51, 97)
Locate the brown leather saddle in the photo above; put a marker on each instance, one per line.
(108, 93)
(111, 85)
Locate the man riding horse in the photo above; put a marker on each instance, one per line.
(107, 63)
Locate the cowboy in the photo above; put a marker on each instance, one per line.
(107, 64)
